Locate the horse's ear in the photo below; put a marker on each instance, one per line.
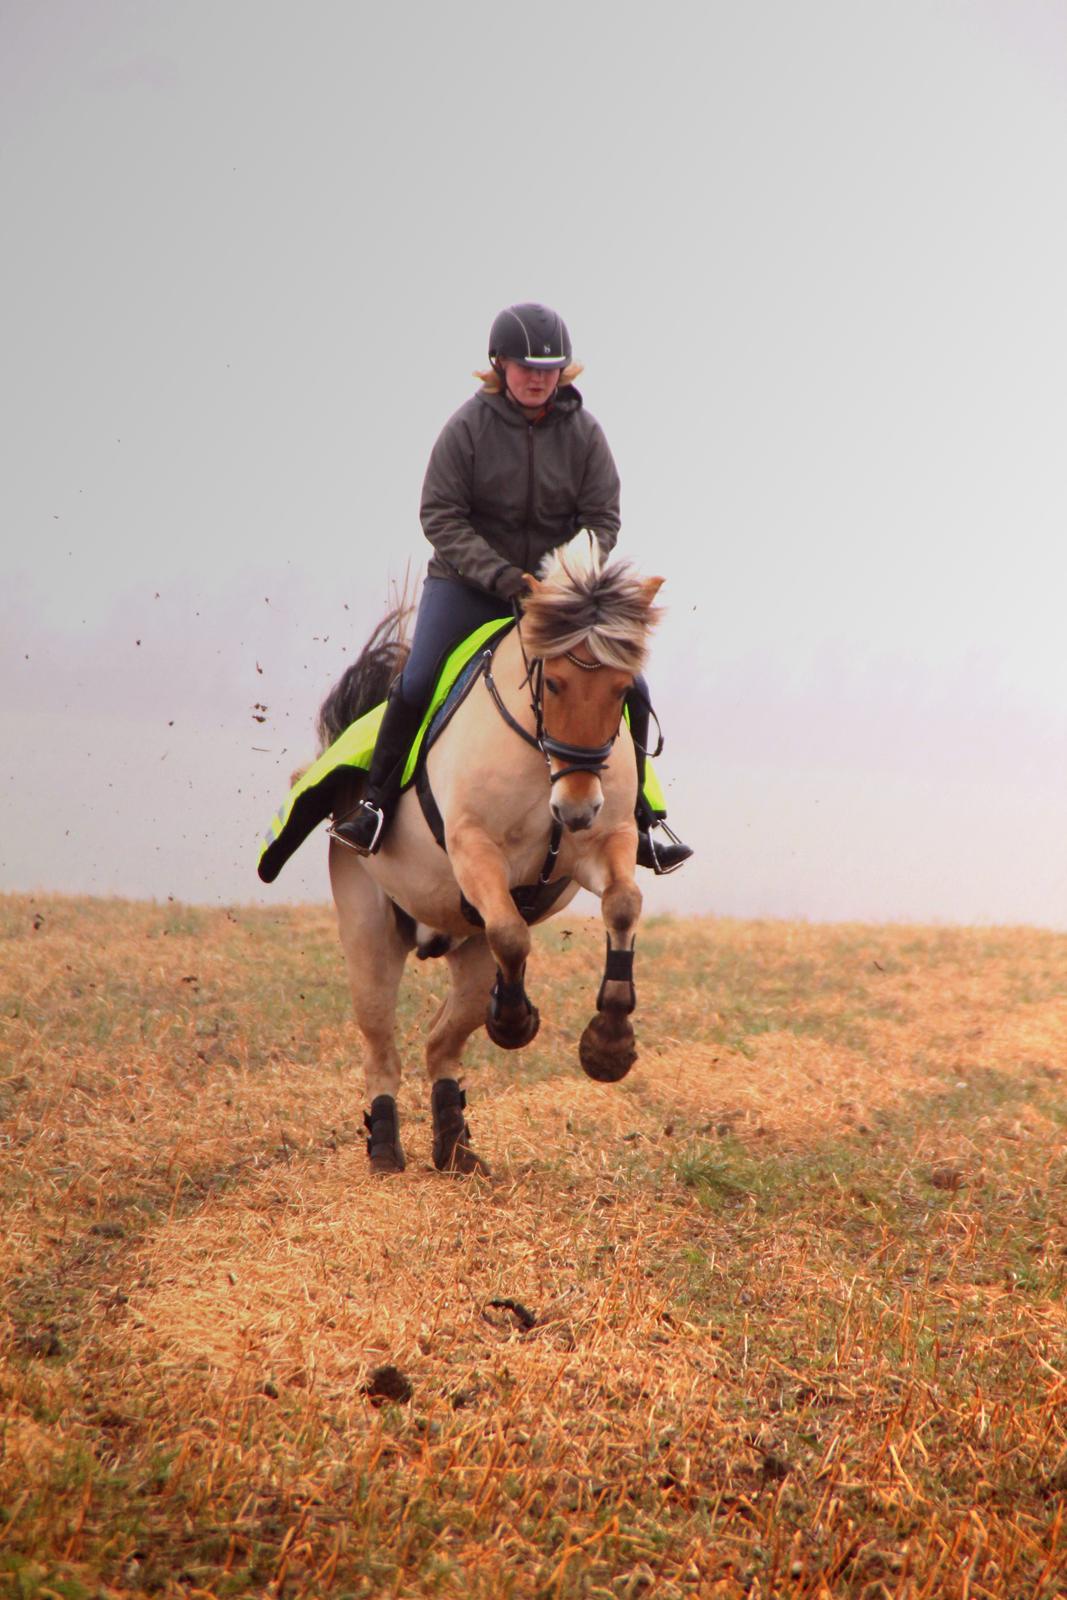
(650, 588)
(534, 585)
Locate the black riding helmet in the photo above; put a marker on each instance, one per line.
(533, 335)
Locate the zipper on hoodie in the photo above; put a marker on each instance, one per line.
(529, 489)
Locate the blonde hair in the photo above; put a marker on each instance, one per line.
(492, 383)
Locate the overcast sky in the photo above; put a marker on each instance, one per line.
(813, 256)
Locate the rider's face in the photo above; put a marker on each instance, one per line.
(530, 386)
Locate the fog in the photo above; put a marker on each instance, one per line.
(813, 259)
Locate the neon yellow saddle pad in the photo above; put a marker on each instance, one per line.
(313, 796)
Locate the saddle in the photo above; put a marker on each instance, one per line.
(317, 793)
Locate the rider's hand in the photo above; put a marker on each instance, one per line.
(512, 584)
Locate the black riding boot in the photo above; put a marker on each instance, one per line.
(364, 830)
(659, 855)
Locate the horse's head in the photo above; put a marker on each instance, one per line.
(586, 629)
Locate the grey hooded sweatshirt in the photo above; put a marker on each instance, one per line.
(500, 491)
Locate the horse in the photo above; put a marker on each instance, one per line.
(531, 785)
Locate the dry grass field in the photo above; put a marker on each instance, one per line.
(795, 1289)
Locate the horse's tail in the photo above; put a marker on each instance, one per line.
(367, 681)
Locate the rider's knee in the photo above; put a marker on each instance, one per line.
(415, 686)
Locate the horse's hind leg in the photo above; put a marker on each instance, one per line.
(375, 950)
(471, 969)
(607, 1050)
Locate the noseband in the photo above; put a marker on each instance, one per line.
(579, 757)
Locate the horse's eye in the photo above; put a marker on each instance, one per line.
(552, 685)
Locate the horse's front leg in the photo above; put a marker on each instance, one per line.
(607, 1050)
(482, 874)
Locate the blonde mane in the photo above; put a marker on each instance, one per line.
(580, 601)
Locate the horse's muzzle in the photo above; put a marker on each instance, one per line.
(577, 815)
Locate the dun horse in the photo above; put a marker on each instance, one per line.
(531, 785)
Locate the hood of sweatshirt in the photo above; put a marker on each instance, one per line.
(564, 403)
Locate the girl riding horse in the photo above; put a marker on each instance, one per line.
(526, 795)
(517, 471)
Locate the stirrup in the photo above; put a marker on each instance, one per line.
(338, 830)
(661, 861)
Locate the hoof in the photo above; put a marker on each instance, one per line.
(607, 1050)
(513, 1033)
(383, 1136)
(451, 1136)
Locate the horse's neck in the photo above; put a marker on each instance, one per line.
(480, 767)
(478, 746)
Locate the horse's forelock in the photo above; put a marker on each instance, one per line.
(582, 602)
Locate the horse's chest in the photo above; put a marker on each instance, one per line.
(516, 840)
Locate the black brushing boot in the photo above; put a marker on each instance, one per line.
(383, 1135)
(451, 1136)
(365, 829)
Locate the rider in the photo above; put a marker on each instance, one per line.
(517, 471)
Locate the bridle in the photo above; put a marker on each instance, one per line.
(578, 757)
